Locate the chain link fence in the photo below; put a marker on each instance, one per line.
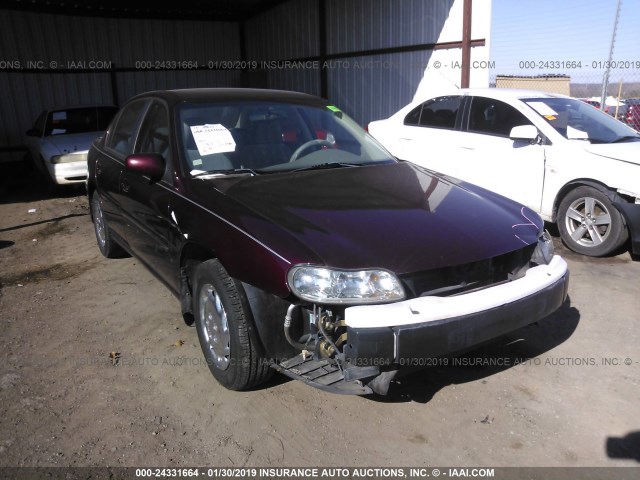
(589, 53)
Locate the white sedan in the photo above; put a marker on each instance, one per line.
(60, 139)
(573, 164)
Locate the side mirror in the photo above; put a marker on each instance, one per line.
(575, 134)
(150, 164)
(524, 132)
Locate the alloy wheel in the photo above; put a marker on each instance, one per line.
(98, 222)
(216, 326)
(588, 222)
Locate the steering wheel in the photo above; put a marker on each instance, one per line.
(308, 144)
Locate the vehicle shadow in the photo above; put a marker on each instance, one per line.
(23, 182)
(624, 447)
(276, 380)
(521, 346)
(6, 243)
(39, 222)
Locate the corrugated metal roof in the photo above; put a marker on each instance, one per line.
(220, 10)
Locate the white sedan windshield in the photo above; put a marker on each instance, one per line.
(577, 120)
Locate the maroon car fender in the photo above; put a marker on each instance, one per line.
(244, 257)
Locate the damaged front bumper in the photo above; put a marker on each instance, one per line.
(431, 326)
(384, 338)
(631, 214)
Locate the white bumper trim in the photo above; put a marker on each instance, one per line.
(431, 309)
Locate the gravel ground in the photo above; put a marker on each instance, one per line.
(97, 368)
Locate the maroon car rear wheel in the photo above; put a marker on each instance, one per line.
(107, 245)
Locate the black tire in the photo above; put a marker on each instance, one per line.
(223, 321)
(107, 245)
(589, 223)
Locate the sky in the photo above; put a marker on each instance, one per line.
(557, 31)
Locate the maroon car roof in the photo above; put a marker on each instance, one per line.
(233, 94)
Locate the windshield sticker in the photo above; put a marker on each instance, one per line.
(543, 109)
(575, 134)
(213, 139)
(550, 117)
(335, 110)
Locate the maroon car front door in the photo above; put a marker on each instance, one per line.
(146, 203)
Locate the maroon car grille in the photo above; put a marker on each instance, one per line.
(456, 279)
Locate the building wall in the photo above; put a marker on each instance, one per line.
(61, 60)
(375, 86)
(366, 87)
(289, 31)
(554, 84)
(375, 58)
(371, 57)
(357, 25)
(444, 71)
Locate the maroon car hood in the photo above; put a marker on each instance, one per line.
(395, 216)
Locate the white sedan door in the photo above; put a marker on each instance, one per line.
(429, 136)
(489, 158)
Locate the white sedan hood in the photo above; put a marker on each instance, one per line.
(626, 152)
(60, 144)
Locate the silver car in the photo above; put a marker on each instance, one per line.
(60, 138)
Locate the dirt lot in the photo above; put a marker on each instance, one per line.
(97, 368)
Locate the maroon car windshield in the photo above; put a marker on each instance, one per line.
(271, 137)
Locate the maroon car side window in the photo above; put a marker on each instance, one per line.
(154, 135)
(123, 136)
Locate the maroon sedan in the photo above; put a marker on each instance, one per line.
(296, 243)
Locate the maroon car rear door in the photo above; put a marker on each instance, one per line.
(110, 162)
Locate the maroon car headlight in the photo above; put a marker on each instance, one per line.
(327, 285)
(544, 251)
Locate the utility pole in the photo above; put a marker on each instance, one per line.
(466, 44)
(605, 80)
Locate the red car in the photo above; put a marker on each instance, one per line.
(620, 112)
(593, 103)
(632, 117)
(296, 243)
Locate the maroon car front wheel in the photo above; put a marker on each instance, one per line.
(222, 317)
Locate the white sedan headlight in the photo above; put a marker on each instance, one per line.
(326, 285)
(69, 157)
